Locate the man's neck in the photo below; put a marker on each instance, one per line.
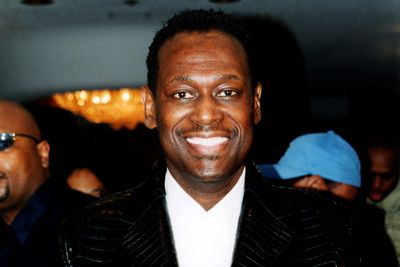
(9, 216)
(208, 194)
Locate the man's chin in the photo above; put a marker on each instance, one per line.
(375, 197)
(210, 175)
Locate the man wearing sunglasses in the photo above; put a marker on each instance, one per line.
(31, 204)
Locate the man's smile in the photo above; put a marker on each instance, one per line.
(207, 145)
(207, 141)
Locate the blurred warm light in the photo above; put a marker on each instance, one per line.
(119, 108)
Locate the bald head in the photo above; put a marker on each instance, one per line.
(24, 160)
(15, 118)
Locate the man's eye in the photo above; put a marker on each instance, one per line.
(227, 93)
(183, 95)
(388, 176)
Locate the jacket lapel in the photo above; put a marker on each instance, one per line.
(261, 236)
(149, 240)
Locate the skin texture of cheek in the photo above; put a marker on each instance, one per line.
(22, 171)
(7, 165)
(4, 190)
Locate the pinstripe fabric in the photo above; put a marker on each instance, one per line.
(290, 227)
(278, 227)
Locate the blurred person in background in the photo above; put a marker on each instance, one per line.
(328, 164)
(323, 162)
(86, 181)
(384, 171)
(31, 203)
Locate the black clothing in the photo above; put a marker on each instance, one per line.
(278, 227)
(376, 247)
(31, 239)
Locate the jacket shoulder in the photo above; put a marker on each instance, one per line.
(321, 225)
(297, 197)
(94, 232)
(111, 208)
(292, 204)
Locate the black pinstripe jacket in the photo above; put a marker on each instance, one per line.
(278, 227)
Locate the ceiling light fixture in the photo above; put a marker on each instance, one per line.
(121, 108)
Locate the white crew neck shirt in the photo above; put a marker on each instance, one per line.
(203, 238)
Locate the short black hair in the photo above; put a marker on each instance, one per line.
(198, 20)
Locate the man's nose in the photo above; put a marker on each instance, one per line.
(377, 182)
(207, 112)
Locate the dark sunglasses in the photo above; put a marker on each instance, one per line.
(8, 139)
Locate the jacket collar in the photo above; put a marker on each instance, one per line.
(149, 240)
(261, 236)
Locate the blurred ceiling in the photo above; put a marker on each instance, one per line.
(349, 46)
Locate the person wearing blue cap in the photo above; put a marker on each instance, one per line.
(319, 161)
(325, 162)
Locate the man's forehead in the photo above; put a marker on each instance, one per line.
(9, 116)
(188, 55)
(196, 38)
(203, 51)
(14, 118)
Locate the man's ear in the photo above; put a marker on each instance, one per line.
(149, 108)
(257, 103)
(43, 149)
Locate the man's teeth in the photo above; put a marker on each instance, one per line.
(212, 141)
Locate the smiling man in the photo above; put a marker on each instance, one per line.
(205, 203)
(210, 108)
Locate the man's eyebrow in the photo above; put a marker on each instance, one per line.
(228, 76)
(181, 78)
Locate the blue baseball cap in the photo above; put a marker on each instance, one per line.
(325, 154)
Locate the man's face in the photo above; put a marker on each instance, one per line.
(204, 106)
(86, 181)
(385, 172)
(21, 168)
(20, 173)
